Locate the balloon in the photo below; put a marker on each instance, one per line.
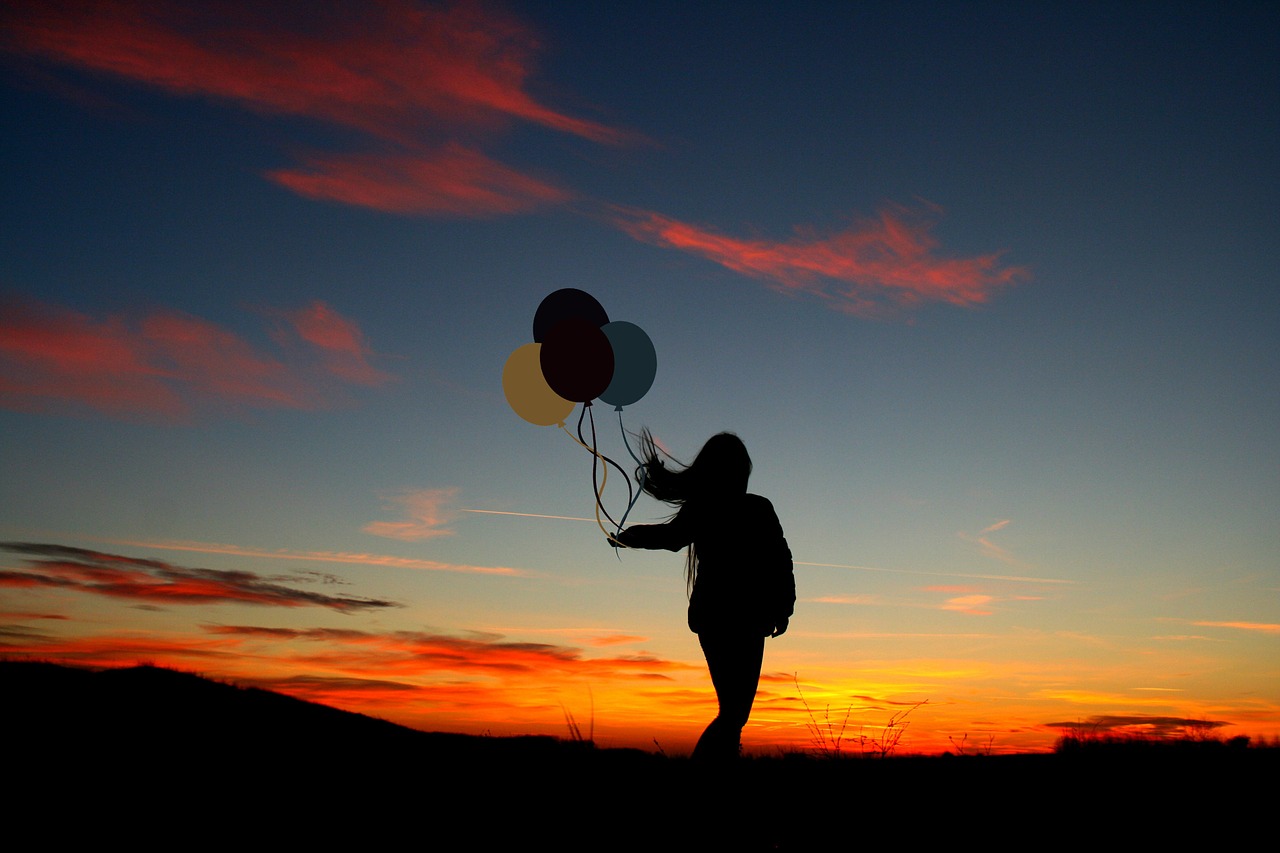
(563, 305)
(527, 391)
(635, 363)
(577, 360)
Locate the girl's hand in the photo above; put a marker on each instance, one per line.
(780, 628)
(613, 542)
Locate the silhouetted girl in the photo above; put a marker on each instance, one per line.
(738, 569)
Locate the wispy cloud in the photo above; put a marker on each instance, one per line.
(157, 581)
(873, 267)
(413, 653)
(451, 181)
(338, 341)
(968, 600)
(168, 364)
(616, 640)
(122, 649)
(1259, 627)
(388, 561)
(418, 85)
(989, 548)
(974, 605)
(425, 511)
(593, 636)
(847, 599)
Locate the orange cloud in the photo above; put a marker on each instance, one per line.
(450, 181)
(617, 640)
(860, 598)
(871, 268)
(425, 513)
(412, 77)
(166, 363)
(1260, 627)
(974, 605)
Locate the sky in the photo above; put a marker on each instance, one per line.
(987, 289)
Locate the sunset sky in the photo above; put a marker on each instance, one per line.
(989, 290)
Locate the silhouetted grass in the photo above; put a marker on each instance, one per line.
(830, 738)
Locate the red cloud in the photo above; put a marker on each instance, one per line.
(450, 181)
(405, 654)
(122, 648)
(869, 268)
(392, 71)
(156, 581)
(412, 76)
(160, 365)
(339, 341)
(408, 653)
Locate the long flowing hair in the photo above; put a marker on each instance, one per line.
(720, 470)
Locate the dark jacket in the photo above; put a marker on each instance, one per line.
(744, 581)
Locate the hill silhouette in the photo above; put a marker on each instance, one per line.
(148, 711)
(164, 754)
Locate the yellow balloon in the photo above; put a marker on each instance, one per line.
(527, 391)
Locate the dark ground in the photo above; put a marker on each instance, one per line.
(157, 758)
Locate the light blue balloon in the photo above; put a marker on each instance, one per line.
(635, 363)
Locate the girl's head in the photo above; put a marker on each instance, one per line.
(721, 469)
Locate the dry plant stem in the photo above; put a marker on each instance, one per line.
(575, 732)
(887, 742)
(827, 736)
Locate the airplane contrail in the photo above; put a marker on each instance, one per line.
(530, 515)
(1021, 579)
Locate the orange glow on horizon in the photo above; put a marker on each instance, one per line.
(479, 686)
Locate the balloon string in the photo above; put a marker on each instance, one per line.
(595, 454)
(598, 457)
(643, 472)
(595, 462)
(580, 443)
(595, 459)
(609, 461)
(631, 495)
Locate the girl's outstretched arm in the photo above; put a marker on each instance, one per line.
(671, 536)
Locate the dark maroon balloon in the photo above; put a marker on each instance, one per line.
(577, 360)
(563, 305)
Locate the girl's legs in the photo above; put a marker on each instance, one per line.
(734, 661)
